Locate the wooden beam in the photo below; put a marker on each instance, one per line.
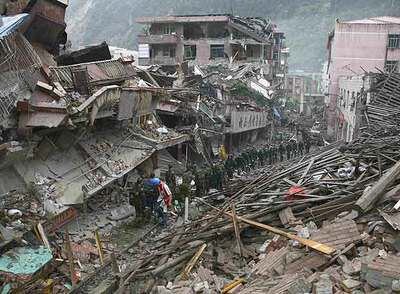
(370, 197)
(310, 243)
(188, 268)
(70, 257)
(99, 247)
(237, 230)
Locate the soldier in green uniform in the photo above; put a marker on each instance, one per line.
(260, 156)
(288, 150)
(170, 179)
(246, 161)
(300, 147)
(198, 179)
(275, 154)
(229, 166)
(307, 145)
(271, 154)
(294, 148)
(136, 197)
(281, 151)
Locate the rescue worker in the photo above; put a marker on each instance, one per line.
(294, 148)
(288, 151)
(170, 178)
(229, 166)
(269, 155)
(198, 179)
(307, 145)
(137, 197)
(151, 192)
(281, 151)
(301, 147)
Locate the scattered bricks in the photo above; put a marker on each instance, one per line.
(300, 286)
(352, 267)
(381, 272)
(273, 260)
(292, 256)
(324, 285)
(312, 262)
(338, 235)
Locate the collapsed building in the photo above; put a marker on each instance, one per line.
(207, 39)
(79, 127)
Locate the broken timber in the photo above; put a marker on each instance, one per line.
(192, 262)
(310, 243)
(369, 198)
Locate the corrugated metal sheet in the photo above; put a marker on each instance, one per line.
(12, 23)
(98, 72)
(338, 235)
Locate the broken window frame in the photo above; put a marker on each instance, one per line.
(392, 66)
(169, 52)
(168, 29)
(190, 52)
(394, 41)
(217, 51)
(275, 55)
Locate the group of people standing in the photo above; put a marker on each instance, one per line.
(154, 195)
(269, 154)
(151, 195)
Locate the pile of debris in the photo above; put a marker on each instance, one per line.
(332, 226)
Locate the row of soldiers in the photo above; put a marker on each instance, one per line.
(215, 176)
(270, 154)
(202, 180)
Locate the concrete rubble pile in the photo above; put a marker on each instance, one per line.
(78, 128)
(325, 224)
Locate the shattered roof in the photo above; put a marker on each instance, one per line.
(96, 161)
(98, 72)
(12, 23)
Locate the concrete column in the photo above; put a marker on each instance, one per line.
(180, 51)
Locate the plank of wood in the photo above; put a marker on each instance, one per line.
(310, 243)
(192, 262)
(369, 198)
(237, 230)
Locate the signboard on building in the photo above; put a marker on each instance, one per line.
(144, 51)
(242, 121)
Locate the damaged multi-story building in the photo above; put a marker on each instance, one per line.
(243, 50)
(355, 48)
(207, 39)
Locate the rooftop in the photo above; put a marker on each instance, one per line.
(184, 18)
(376, 20)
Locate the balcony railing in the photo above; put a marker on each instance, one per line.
(159, 60)
(158, 39)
